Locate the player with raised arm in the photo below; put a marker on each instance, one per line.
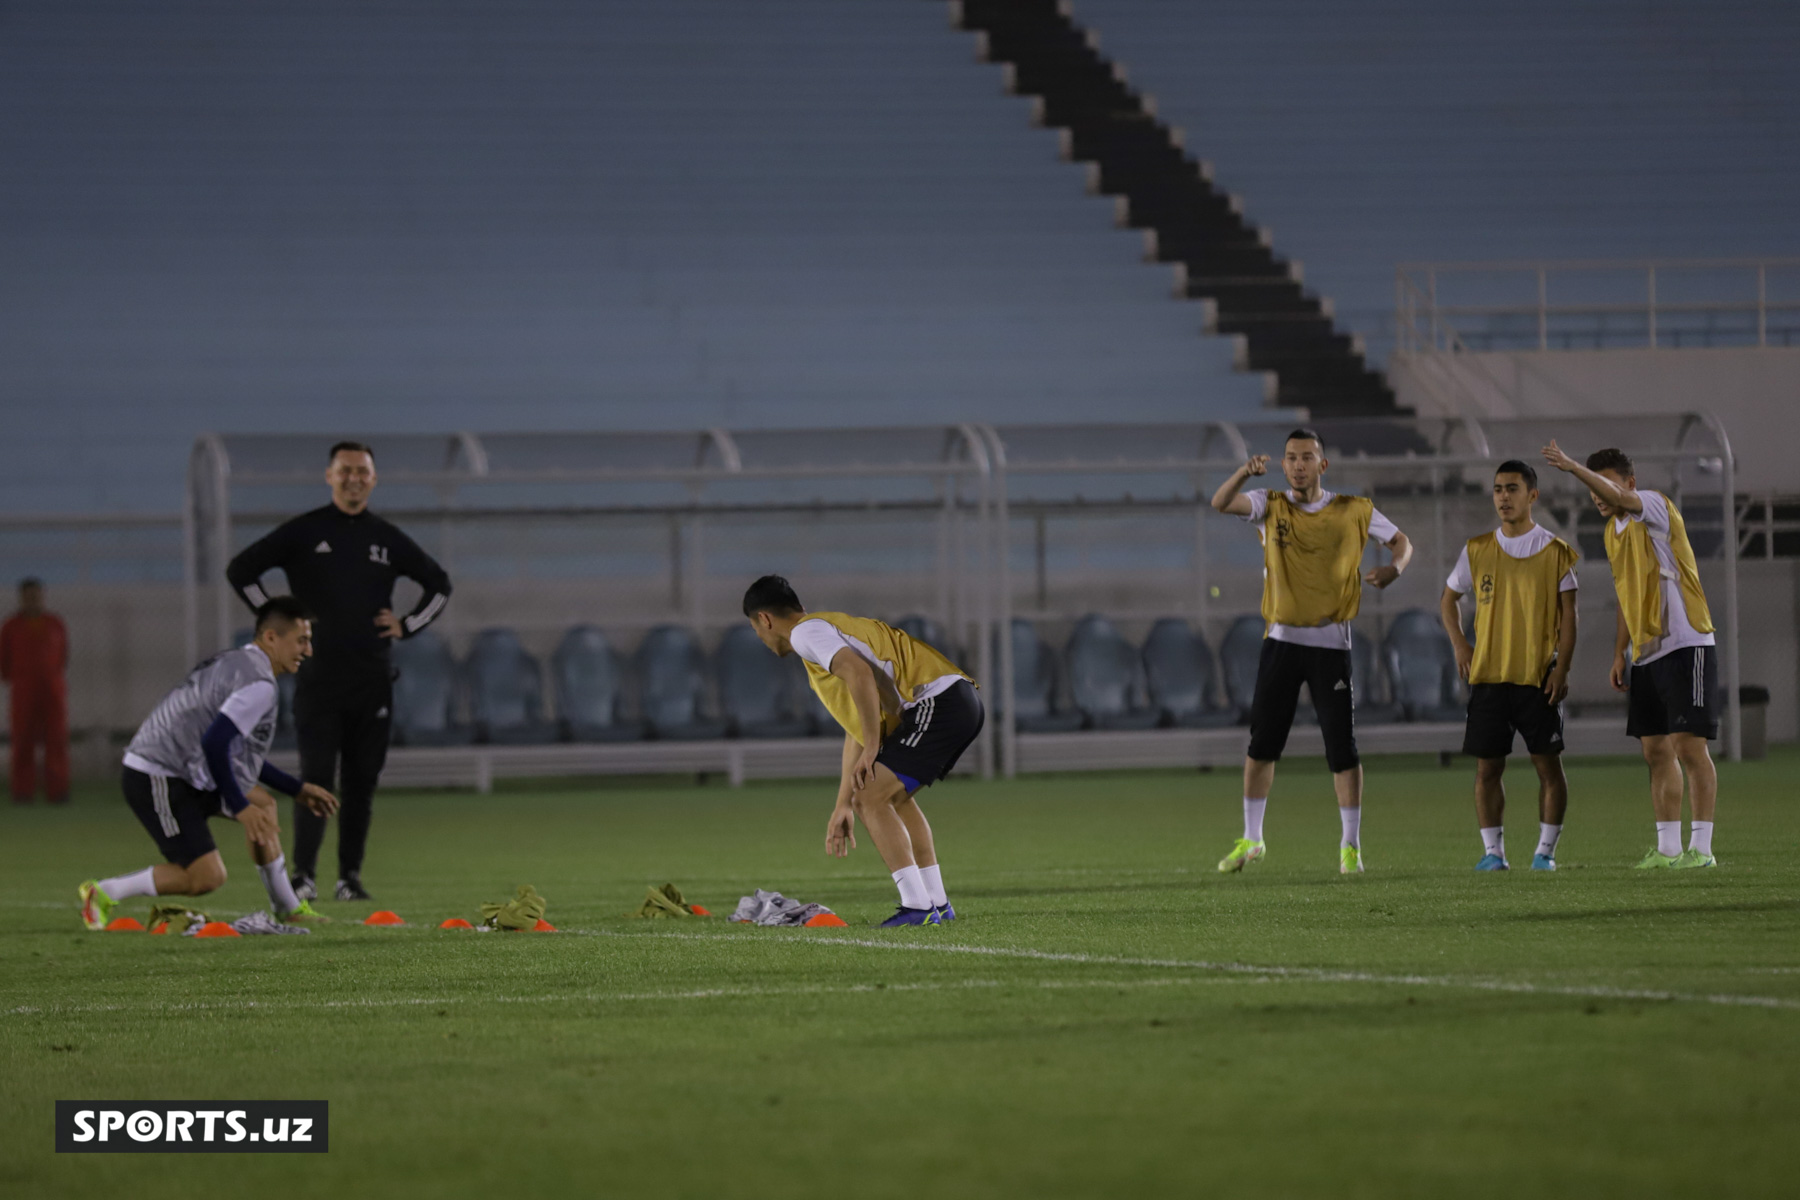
(1523, 580)
(203, 753)
(908, 714)
(1312, 587)
(1672, 676)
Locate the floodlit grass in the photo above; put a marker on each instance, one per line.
(1096, 1024)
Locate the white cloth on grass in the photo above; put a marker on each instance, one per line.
(773, 908)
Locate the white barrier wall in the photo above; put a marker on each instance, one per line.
(1754, 390)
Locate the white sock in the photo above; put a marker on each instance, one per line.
(143, 883)
(1253, 815)
(1548, 836)
(1352, 819)
(934, 884)
(911, 883)
(1493, 840)
(280, 889)
(1668, 838)
(1701, 839)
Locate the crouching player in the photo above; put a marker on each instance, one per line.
(201, 754)
(1523, 579)
(908, 714)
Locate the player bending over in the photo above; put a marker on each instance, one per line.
(1312, 587)
(202, 753)
(1673, 678)
(908, 714)
(1524, 583)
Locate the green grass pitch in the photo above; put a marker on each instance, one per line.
(1110, 1017)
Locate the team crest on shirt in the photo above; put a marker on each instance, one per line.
(1486, 590)
(378, 554)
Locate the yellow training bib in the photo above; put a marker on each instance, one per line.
(908, 664)
(1638, 576)
(1517, 613)
(1312, 561)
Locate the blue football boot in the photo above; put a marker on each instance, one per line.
(1492, 862)
(910, 916)
(1542, 862)
(946, 913)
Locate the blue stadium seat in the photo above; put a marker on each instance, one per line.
(671, 677)
(757, 693)
(1106, 677)
(506, 691)
(1240, 658)
(1034, 684)
(1422, 668)
(1368, 686)
(590, 686)
(425, 688)
(1178, 666)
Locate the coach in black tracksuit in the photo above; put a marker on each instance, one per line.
(341, 562)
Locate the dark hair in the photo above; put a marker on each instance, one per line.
(773, 594)
(1611, 459)
(281, 610)
(1304, 434)
(30, 581)
(351, 447)
(1513, 466)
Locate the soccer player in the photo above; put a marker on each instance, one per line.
(341, 560)
(908, 714)
(1312, 549)
(1663, 621)
(1523, 579)
(203, 753)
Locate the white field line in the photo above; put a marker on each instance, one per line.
(1309, 974)
(246, 1005)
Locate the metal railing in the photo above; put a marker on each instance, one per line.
(1599, 304)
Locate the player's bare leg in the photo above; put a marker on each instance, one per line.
(1259, 777)
(1349, 785)
(925, 855)
(1490, 813)
(1703, 797)
(878, 805)
(1553, 804)
(1665, 800)
(875, 806)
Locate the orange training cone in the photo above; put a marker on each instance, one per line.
(819, 919)
(384, 917)
(161, 927)
(543, 926)
(124, 925)
(456, 923)
(698, 911)
(217, 929)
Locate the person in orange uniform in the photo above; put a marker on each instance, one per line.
(34, 652)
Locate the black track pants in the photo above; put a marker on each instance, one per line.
(343, 731)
